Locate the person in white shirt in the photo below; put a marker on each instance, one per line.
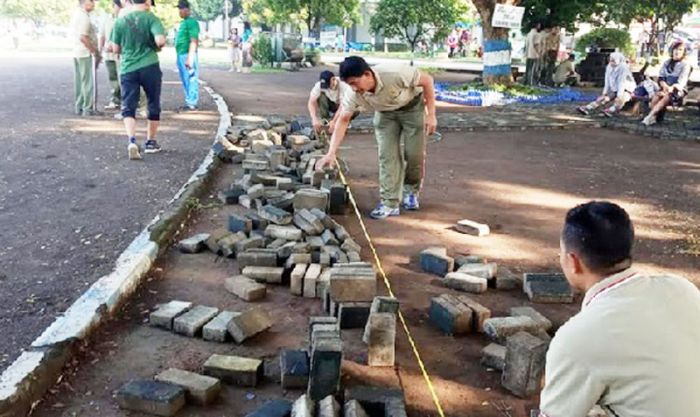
(533, 52)
(618, 88)
(325, 101)
(86, 58)
(633, 347)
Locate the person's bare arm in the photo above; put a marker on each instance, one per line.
(85, 39)
(312, 105)
(426, 81)
(116, 49)
(334, 120)
(193, 50)
(337, 138)
(160, 41)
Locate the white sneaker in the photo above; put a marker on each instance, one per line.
(112, 106)
(133, 151)
(382, 212)
(410, 202)
(649, 120)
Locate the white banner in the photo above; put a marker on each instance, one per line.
(505, 16)
(327, 38)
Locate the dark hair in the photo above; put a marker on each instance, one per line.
(601, 233)
(118, 3)
(572, 57)
(353, 66)
(138, 1)
(246, 25)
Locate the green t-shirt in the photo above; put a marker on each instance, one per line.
(135, 34)
(189, 29)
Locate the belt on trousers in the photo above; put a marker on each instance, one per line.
(414, 101)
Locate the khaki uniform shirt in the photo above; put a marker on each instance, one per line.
(551, 42)
(533, 45)
(106, 31)
(633, 349)
(81, 25)
(564, 71)
(334, 95)
(396, 86)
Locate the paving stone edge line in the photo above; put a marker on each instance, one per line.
(38, 368)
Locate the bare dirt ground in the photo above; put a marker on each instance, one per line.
(520, 183)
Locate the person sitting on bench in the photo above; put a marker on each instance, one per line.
(619, 85)
(673, 83)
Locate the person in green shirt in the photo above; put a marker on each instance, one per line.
(138, 36)
(187, 60)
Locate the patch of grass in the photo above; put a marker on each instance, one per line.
(431, 70)
(515, 90)
(259, 69)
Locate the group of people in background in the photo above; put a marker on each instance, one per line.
(542, 53)
(621, 88)
(240, 48)
(459, 42)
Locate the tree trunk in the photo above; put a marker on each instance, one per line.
(496, 47)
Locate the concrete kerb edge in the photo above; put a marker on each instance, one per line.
(28, 378)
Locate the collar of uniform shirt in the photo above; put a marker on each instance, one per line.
(379, 82)
(608, 284)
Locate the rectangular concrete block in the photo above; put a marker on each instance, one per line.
(547, 288)
(381, 304)
(462, 260)
(275, 215)
(217, 329)
(283, 232)
(310, 279)
(231, 195)
(329, 238)
(308, 222)
(296, 279)
(274, 408)
(471, 227)
(214, 237)
(353, 315)
(494, 356)
(381, 340)
(349, 245)
(256, 191)
(487, 271)
(524, 367)
(465, 282)
(152, 397)
(323, 331)
(320, 320)
(193, 244)
(249, 243)
(270, 275)
(234, 370)
(353, 284)
(374, 399)
(449, 315)
(257, 257)
(315, 242)
(238, 223)
(507, 280)
(500, 328)
(249, 324)
(191, 323)
(310, 198)
(327, 220)
(294, 368)
(199, 389)
(338, 201)
(535, 315)
(353, 408)
(435, 261)
(258, 222)
(353, 256)
(245, 288)
(229, 244)
(303, 407)
(328, 407)
(479, 313)
(326, 358)
(166, 313)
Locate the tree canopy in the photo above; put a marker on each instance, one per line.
(38, 11)
(413, 20)
(206, 10)
(312, 13)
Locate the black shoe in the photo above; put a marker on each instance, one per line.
(188, 107)
(92, 113)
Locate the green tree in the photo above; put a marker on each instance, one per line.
(168, 13)
(38, 11)
(313, 13)
(413, 20)
(206, 10)
(663, 15)
(496, 38)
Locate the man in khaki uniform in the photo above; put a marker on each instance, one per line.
(86, 58)
(551, 51)
(110, 57)
(632, 349)
(403, 101)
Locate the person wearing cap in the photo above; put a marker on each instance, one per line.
(632, 349)
(137, 37)
(325, 100)
(187, 60)
(109, 56)
(86, 58)
(566, 74)
(403, 101)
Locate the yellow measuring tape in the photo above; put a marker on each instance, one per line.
(411, 341)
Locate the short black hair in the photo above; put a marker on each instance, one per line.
(601, 233)
(353, 66)
(138, 1)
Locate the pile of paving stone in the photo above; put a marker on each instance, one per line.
(521, 340)
(283, 234)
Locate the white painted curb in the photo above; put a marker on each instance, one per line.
(21, 383)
